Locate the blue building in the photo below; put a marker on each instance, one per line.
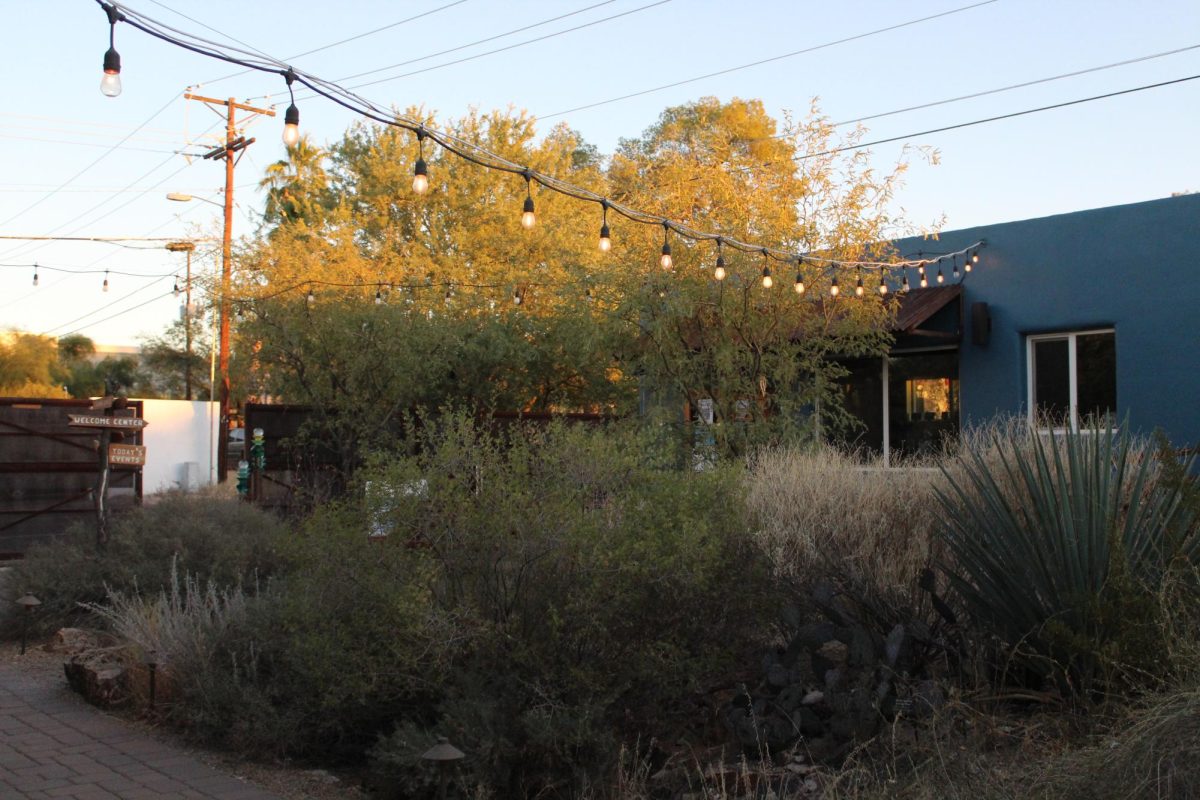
(1093, 312)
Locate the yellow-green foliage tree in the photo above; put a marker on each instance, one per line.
(442, 297)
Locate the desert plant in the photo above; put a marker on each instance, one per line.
(825, 514)
(1058, 544)
(207, 536)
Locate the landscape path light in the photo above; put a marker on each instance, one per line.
(444, 755)
(29, 603)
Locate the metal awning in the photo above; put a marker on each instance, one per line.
(917, 306)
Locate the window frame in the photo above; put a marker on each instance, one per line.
(1071, 337)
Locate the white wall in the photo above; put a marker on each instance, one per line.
(181, 444)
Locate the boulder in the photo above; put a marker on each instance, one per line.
(99, 676)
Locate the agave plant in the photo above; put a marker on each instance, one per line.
(1051, 535)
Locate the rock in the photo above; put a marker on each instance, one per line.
(893, 645)
(777, 675)
(323, 776)
(834, 651)
(813, 697)
(807, 722)
(99, 676)
(71, 641)
(790, 698)
(927, 698)
(862, 651)
(833, 679)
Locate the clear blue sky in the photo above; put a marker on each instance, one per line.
(55, 123)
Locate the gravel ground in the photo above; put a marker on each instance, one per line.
(290, 781)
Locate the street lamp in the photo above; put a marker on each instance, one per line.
(181, 197)
(186, 247)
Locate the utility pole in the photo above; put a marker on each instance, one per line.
(186, 247)
(233, 144)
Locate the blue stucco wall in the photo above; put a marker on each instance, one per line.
(1132, 267)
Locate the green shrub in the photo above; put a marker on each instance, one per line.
(1061, 546)
(211, 538)
(542, 595)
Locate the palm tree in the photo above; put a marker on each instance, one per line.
(297, 186)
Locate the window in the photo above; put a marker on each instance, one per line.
(1073, 377)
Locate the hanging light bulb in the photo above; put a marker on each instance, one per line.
(291, 117)
(833, 287)
(858, 288)
(975, 257)
(799, 284)
(517, 297)
(528, 220)
(35, 275)
(924, 278)
(110, 82)
(587, 295)
(904, 287)
(767, 280)
(420, 170)
(719, 271)
(883, 287)
(940, 277)
(605, 240)
(378, 296)
(104, 286)
(174, 286)
(665, 260)
(311, 298)
(954, 265)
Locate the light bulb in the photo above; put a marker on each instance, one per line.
(940, 277)
(954, 271)
(421, 177)
(35, 275)
(767, 280)
(605, 241)
(665, 259)
(904, 287)
(378, 297)
(924, 277)
(517, 298)
(291, 125)
(858, 288)
(833, 287)
(799, 285)
(311, 298)
(883, 287)
(968, 260)
(719, 272)
(174, 287)
(975, 257)
(104, 286)
(110, 82)
(527, 217)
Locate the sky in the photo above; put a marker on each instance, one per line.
(79, 164)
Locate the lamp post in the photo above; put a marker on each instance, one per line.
(186, 247)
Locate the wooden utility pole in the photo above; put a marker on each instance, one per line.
(233, 144)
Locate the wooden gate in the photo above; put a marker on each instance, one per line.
(48, 471)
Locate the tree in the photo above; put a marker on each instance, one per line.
(448, 269)
(297, 188)
(29, 366)
(165, 362)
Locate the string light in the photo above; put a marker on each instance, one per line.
(924, 279)
(421, 170)
(110, 82)
(833, 287)
(528, 220)
(517, 296)
(35, 275)
(174, 286)
(104, 286)
(940, 277)
(605, 240)
(474, 154)
(379, 296)
(665, 259)
(858, 288)
(719, 271)
(954, 267)
(291, 117)
(904, 287)
(799, 284)
(883, 287)
(311, 298)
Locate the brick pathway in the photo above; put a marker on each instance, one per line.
(53, 745)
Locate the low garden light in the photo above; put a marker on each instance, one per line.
(443, 755)
(152, 667)
(30, 604)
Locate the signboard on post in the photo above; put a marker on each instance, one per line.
(126, 455)
(117, 423)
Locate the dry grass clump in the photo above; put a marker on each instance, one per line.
(826, 513)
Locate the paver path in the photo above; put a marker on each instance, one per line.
(52, 744)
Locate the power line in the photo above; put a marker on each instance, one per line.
(118, 314)
(95, 311)
(371, 32)
(770, 60)
(72, 271)
(990, 119)
(1010, 87)
(518, 44)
